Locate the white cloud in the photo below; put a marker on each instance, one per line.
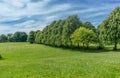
(53, 17)
(12, 10)
(96, 14)
(15, 10)
(9, 8)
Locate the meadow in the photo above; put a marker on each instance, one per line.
(24, 60)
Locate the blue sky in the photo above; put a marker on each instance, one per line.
(27, 15)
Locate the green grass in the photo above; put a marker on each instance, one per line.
(23, 60)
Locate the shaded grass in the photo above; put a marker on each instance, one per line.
(23, 60)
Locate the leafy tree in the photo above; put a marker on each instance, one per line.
(71, 24)
(51, 34)
(3, 38)
(10, 37)
(56, 33)
(84, 36)
(110, 28)
(20, 36)
(38, 37)
(31, 37)
(23, 37)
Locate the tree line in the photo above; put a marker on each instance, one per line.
(72, 32)
(16, 37)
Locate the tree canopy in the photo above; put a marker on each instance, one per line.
(110, 28)
(19, 36)
(58, 33)
(31, 37)
(3, 38)
(84, 36)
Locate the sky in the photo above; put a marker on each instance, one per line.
(27, 15)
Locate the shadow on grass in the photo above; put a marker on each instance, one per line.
(88, 50)
(91, 49)
(1, 58)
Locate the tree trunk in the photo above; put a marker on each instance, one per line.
(78, 45)
(83, 45)
(87, 45)
(116, 38)
(115, 46)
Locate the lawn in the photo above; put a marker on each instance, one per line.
(24, 60)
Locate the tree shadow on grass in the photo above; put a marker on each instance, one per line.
(90, 49)
(95, 50)
(1, 58)
(87, 50)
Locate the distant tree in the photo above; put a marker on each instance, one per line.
(19, 36)
(3, 38)
(23, 37)
(84, 36)
(110, 28)
(31, 37)
(10, 37)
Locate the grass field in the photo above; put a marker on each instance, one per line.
(23, 60)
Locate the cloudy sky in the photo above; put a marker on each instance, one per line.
(27, 15)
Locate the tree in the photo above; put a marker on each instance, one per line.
(55, 33)
(84, 36)
(31, 37)
(19, 37)
(38, 37)
(3, 38)
(110, 28)
(51, 34)
(10, 37)
(71, 24)
(23, 37)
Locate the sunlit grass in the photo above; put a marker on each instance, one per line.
(24, 60)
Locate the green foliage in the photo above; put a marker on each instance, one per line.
(84, 36)
(31, 37)
(52, 33)
(19, 37)
(58, 32)
(110, 28)
(10, 37)
(89, 26)
(3, 38)
(71, 24)
(38, 37)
